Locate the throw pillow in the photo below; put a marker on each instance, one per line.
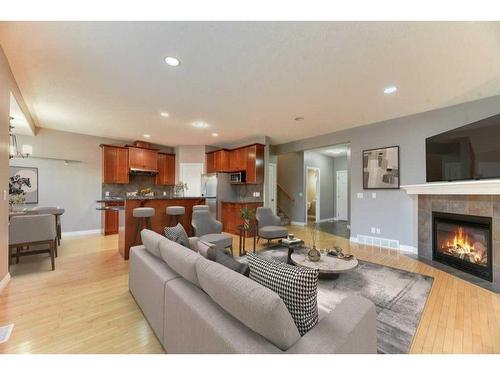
(177, 234)
(297, 287)
(228, 261)
(206, 249)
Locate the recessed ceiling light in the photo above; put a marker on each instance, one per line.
(300, 118)
(172, 61)
(200, 124)
(147, 136)
(164, 114)
(215, 134)
(390, 90)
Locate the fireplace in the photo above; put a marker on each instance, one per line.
(463, 242)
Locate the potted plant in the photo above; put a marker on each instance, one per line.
(247, 215)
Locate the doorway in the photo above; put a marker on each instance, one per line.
(313, 195)
(272, 187)
(342, 189)
(190, 174)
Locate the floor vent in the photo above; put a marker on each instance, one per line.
(5, 332)
(379, 242)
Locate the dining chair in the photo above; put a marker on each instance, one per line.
(31, 230)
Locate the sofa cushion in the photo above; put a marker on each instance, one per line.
(273, 232)
(177, 234)
(257, 307)
(151, 240)
(181, 259)
(297, 286)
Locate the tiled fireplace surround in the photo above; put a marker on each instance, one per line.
(480, 205)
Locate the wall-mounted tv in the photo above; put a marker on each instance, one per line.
(471, 152)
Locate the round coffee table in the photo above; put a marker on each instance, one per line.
(329, 267)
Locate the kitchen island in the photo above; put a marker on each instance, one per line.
(230, 213)
(128, 224)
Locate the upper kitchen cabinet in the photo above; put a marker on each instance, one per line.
(254, 168)
(218, 161)
(237, 159)
(248, 159)
(142, 159)
(115, 164)
(166, 169)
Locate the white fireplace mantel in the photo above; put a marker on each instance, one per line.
(479, 187)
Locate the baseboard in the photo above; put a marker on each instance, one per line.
(81, 232)
(376, 242)
(4, 281)
(327, 219)
(301, 223)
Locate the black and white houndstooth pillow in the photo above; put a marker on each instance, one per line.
(177, 234)
(297, 287)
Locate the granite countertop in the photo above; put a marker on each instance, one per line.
(242, 201)
(138, 198)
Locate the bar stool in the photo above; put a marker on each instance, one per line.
(143, 215)
(200, 207)
(176, 212)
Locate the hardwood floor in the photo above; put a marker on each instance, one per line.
(84, 305)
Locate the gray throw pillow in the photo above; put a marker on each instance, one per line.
(228, 261)
(177, 234)
(297, 287)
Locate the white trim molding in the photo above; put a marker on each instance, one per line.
(478, 187)
(4, 281)
(384, 243)
(301, 223)
(81, 232)
(327, 219)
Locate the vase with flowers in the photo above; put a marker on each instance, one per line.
(180, 188)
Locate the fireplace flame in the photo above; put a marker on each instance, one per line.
(461, 242)
(463, 247)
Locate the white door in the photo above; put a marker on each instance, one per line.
(342, 195)
(191, 175)
(272, 187)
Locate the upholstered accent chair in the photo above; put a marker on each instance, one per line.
(208, 229)
(56, 211)
(269, 225)
(27, 231)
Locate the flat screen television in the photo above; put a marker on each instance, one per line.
(471, 152)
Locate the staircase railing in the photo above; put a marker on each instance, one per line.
(287, 195)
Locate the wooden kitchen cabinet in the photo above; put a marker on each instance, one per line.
(254, 158)
(166, 169)
(237, 159)
(218, 161)
(115, 164)
(210, 161)
(143, 159)
(110, 219)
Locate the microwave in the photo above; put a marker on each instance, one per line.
(237, 177)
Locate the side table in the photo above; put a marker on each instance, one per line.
(245, 232)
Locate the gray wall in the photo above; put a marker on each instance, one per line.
(75, 186)
(393, 210)
(326, 180)
(291, 177)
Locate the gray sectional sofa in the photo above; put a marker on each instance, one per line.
(195, 305)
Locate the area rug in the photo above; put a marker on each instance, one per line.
(399, 297)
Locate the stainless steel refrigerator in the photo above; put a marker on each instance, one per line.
(209, 191)
(216, 188)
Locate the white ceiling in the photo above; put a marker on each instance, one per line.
(334, 151)
(245, 79)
